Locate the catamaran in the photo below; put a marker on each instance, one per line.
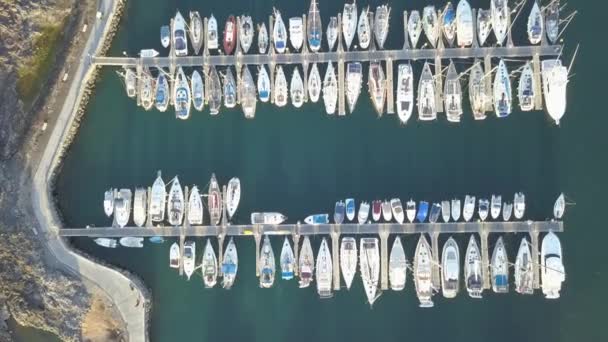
(377, 86)
(161, 97)
(306, 263)
(435, 211)
(233, 196)
(195, 207)
(209, 266)
(314, 84)
(108, 202)
(354, 78)
(477, 91)
(230, 35)
(230, 264)
(212, 35)
(430, 24)
(507, 209)
(214, 91)
(314, 27)
(502, 91)
(330, 89)
(552, 271)
(535, 25)
(147, 89)
(410, 210)
(165, 36)
(519, 203)
(280, 88)
(178, 36)
(423, 211)
(381, 24)
(181, 95)
(130, 82)
(445, 211)
(397, 266)
(364, 29)
(196, 31)
(214, 201)
(469, 208)
(296, 35)
(122, 207)
(524, 274)
(369, 256)
(525, 91)
(414, 27)
(175, 205)
(464, 24)
(279, 33)
(559, 207)
(500, 19)
(453, 94)
(397, 209)
(106, 242)
(189, 258)
(348, 260)
(267, 218)
(324, 271)
(246, 32)
(317, 219)
(473, 269)
(456, 209)
(267, 265)
(484, 207)
(387, 213)
(500, 268)
(332, 32)
(263, 84)
(158, 198)
(555, 80)
(248, 96)
(450, 269)
(287, 260)
(552, 21)
(495, 206)
(174, 256)
(405, 92)
(448, 23)
(484, 25)
(376, 210)
(349, 23)
(140, 206)
(427, 110)
(262, 38)
(296, 89)
(131, 242)
(350, 208)
(422, 273)
(198, 95)
(363, 212)
(229, 89)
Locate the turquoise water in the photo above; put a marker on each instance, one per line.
(300, 161)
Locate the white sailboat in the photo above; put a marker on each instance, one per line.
(287, 260)
(519, 205)
(262, 38)
(314, 27)
(484, 25)
(189, 258)
(405, 92)
(422, 273)
(525, 91)
(430, 24)
(535, 25)
(178, 36)
(263, 84)
(473, 269)
(161, 96)
(296, 33)
(348, 260)
(233, 196)
(559, 207)
(410, 210)
(279, 33)
(267, 264)
(306, 263)
(354, 79)
(196, 31)
(324, 271)
(181, 95)
(477, 91)
(158, 199)
(381, 24)
(349, 23)
(214, 201)
(369, 256)
(140, 207)
(453, 94)
(146, 94)
(267, 218)
(195, 207)
(377, 86)
(247, 90)
(332, 33)
(456, 209)
(469, 208)
(397, 266)
(364, 29)
(414, 27)
(229, 89)
(450, 269)
(280, 88)
(314, 84)
(555, 80)
(246, 32)
(214, 92)
(230, 264)
(502, 91)
(198, 93)
(552, 272)
(448, 23)
(499, 268)
(524, 274)
(174, 255)
(427, 110)
(209, 266)
(495, 206)
(330, 89)
(296, 89)
(552, 20)
(500, 19)
(108, 202)
(464, 24)
(363, 213)
(122, 207)
(212, 35)
(175, 205)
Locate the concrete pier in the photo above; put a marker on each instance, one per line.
(383, 259)
(406, 38)
(258, 238)
(438, 84)
(305, 62)
(538, 93)
(487, 62)
(296, 251)
(390, 90)
(436, 269)
(182, 234)
(485, 259)
(535, 259)
(335, 256)
(341, 77)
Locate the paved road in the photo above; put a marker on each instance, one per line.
(116, 285)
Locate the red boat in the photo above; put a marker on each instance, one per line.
(230, 35)
(376, 209)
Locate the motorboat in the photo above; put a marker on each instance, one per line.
(495, 206)
(158, 199)
(296, 34)
(484, 207)
(196, 31)
(214, 91)
(178, 35)
(369, 260)
(397, 209)
(279, 33)
(317, 219)
(324, 271)
(157, 239)
(332, 33)
(559, 207)
(314, 84)
(354, 79)
(108, 202)
(435, 212)
(507, 210)
(287, 260)
(525, 91)
(262, 39)
(499, 267)
(524, 274)
(198, 95)
(314, 27)
(427, 110)
(464, 24)
(247, 90)
(106, 242)
(195, 207)
(296, 89)
(263, 84)
(230, 35)
(230, 264)
(280, 88)
(214, 201)
(350, 208)
(381, 24)
(229, 89)
(330, 89)
(175, 204)
(387, 213)
(146, 90)
(450, 269)
(148, 53)
(535, 25)
(552, 21)
(209, 266)
(349, 23)
(268, 218)
(181, 95)
(339, 212)
(500, 19)
(161, 96)
(448, 23)
(423, 267)
(477, 91)
(233, 196)
(130, 82)
(174, 255)
(473, 269)
(306, 263)
(502, 91)
(469, 208)
(555, 80)
(430, 24)
(377, 86)
(212, 33)
(453, 94)
(445, 211)
(376, 210)
(456, 209)
(484, 25)
(165, 36)
(414, 27)
(348, 260)
(364, 30)
(122, 207)
(131, 242)
(246, 32)
(552, 272)
(519, 205)
(423, 211)
(266, 264)
(140, 207)
(410, 210)
(397, 266)
(405, 92)
(363, 213)
(189, 258)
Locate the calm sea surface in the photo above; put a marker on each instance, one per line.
(300, 161)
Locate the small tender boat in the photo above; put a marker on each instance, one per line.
(397, 209)
(464, 24)
(423, 265)
(314, 84)
(484, 207)
(148, 53)
(246, 33)
(525, 91)
(502, 91)
(229, 89)
(214, 91)
(122, 207)
(555, 80)
(247, 91)
(330, 89)
(131, 242)
(348, 260)
(280, 88)
(317, 219)
(519, 205)
(448, 23)
(410, 210)
(350, 208)
(484, 25)
(364, 29)
(196, 31)
(165, 36)
(140, 207)
(376, 210)
(230, 32)
(500, 19)
(456, 209)
(195, 207)
(369, 256)
(214, 201)
(267, 265)
(175, 205)
(230, 264)
(397, 266)
(381, 24)
(500, 268)
(130, 82)
(430, 24)
(435, 212)
(189, 258)
(174, 256)
(279, 33)
(181, 95)
(363, 213)
(377, 86)
(339, 212)
(405, 92)
(477, 89)
(552, 272)
(552, 21)
(263, 84)
(332, 33)
(161, 97)
(450, 269)
(495, 206)
(178, 36)
(146, 94)
(535, 25)
(198, 95)
(262, 38)
(473, 269)
(445, 211)
(469, 208)
(267, 218)
(306, 263)
(423, 211)
(324, 271)
(106, 242)
(287, 261)
(212, 35)
(427, 110)
(453, 94)
(349, 23)
(507, 209)
(296, 35)
(414, 27)
(233, 196)
(524, 274)
(209, 266)
(296, 89)
(559, 207)
(108, 202)
(354, 78)
(387, 213)
(314, 28)
(158, 199)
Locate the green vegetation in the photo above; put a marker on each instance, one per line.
(35, 69)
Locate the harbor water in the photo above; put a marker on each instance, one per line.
(300, 161)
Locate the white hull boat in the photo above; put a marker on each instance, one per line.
(535, 25)
(229, 89)
(555, 80)
(130, 82)
(507, 210)
(106, 242)
(178, 36)
(381, 24)
(165, 36)
(348, 260)
(524, 274)
(158, 199)
(473, 269)
(484, 208)
(332, 33)
(174, 255)
(267, 218)
(189, 258)
(279, 33)
(230, 264)
(453, 94)
(324, 271)
(263, 84)
(140, 207)
(108, 202)
(430, 24)
(280, 88)
(397, 210)
(131, 242)
(500, 19)
(377, 86)
(296, 35)
(247, 91)
(445, 211)
(519, 205)
(212, 35)
(196, 31)
(502, 91)
(209, 266)
(397, 266)
(287, 260)
(122, 207)
(414, 27)
(552, 271)
(330, 90)
(195, 207)
(198, 93)
(456, 210)
(422, 273)
(484, 25)
(387, 213)
(354, 79)
(267, 264)
(448, 23)
(314, 27)
(262, 38)
(464, 24)
(350, 208)
(363, 214)
(559, 207)
(161, 96)
(306, 263)
(525, 91)
(369, 256)
(469, 208)
(427, 110)
(296, 89)
(175, 204)
(314, 84)
(349, 23)
(181, 95)
(214, 92)
(477, 89)
(552, 21)
(233, 196)
(246, 33)
(450, 269)
(405, 92)
(364, 29)
(500, 268)
(495, 206)
(410, 210)
(146, 89)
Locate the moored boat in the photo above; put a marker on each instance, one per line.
(175, 204)
(456, 209)
(410, 210)
(212, 33)
(287, 260)
(189, 258)
(330, 89)
(130, 82)
(279, 33)
(450, 269)
(229, 89)
(280, 87)
(495, 206)
(369, 260)
(473, 269)
(324, 271)
(500, 19)
(317, 219)
(448, 23)
(381, 24)
(363, 212)
(519, 205)
(469, 208)
(158, 199)
(445, 211)
(108, 202)
(422, 273)
(555, 80)
(524, 274)
(377, 86)
(267, 218)
(131, 242)
(552, 272)
(484, 208)
(354, 79)
(435, 212)
(552, 21)
(233, 196)
(181, 95)
(423, 211)
(387, 213)
(196, 31)
(140, 207)
(198, 95)
(348, 260)
(427, 110)
(306, 263)
(414, 27)
(296, 35)
(106, 242)
(484, 25)
(246, 32)
(195, 207)
(262, 38)
(214, 201)
(267, 264)
(165, 36)
(263, 84)
(535, 25)
(339, 212)
(525, 91)
(477, 96)
(122, 207)
(349, 23)
(230, 264)
(376, 210)
(209, 266)
(296, 89)
(247, 92)
(350, 208)
(430, 24)
(314, 84)
(499, 268)
(453, 94)
(364, 29)
(397, 209)
(464, 24)
(502, 91)
(161, 96)
(397, 266)
(405, 92)
(174, 255)
(230, 32)
(214, 91)
(146, 89)
(559, 207)
(314, 27)
(332, 33)
(178, 36)
(507, 210)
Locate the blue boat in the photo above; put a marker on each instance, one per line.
(435, 211)
(423, 211)
(317, 219)
(339, 212)
(313, 26)
(350, 209)
(157, 239)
